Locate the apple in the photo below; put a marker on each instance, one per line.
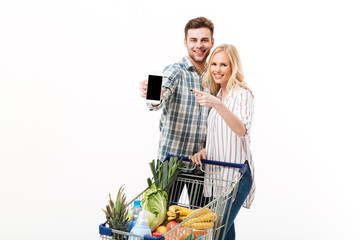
(170, 225)
(184, 233)
(175, 234)
(161, 229)
(181, 233)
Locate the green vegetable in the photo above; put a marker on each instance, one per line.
(155, 202)
(190, 237)
(166, 172)
(155, 198)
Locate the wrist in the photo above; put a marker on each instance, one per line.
(218, 104)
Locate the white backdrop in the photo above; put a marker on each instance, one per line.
(73, 127)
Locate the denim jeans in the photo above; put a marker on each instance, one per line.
(241, 194)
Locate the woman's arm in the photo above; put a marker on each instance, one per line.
(234, 123)
(208, 100)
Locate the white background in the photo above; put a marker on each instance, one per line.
(73, 127)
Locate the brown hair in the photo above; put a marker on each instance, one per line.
(199, 22)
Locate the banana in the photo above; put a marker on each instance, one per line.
(182, 210)
(171, 214)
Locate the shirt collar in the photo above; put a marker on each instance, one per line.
(230, 93)
(187, 63)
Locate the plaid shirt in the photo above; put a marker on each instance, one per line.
(183, 121)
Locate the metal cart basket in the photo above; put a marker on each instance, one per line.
(192, 186)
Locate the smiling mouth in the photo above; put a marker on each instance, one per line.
(218, 76)
(199, 53)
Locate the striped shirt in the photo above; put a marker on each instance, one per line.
(183, 121)
(224, 145)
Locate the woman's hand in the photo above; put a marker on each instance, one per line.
(196, 158)
(206, 99)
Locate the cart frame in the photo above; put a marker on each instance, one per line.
(225, 191)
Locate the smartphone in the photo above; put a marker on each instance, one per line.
(154, 87)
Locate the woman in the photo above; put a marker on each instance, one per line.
(229, 126)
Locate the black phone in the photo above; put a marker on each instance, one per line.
(154, 87)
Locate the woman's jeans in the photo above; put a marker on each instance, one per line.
(241, 194)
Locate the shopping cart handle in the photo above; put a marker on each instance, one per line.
(242, 170)
(104, 230)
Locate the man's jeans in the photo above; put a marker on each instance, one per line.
(241, 194)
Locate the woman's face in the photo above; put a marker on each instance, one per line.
(221, 68)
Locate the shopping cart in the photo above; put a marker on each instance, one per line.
(191, 187)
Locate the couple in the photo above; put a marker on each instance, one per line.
(208, 111)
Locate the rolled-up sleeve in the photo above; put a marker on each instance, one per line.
(245, 108)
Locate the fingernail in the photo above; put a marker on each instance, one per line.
(191, 90)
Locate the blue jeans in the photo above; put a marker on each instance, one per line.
(241, 194)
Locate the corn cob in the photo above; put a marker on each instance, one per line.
(202, 212)
(204, 218)
(199, 225)
(209, 217)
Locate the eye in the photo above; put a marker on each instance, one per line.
(224, 65)
(213, 64)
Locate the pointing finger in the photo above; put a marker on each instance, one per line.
(196, 91)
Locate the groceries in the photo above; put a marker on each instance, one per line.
(176, 222)
(155, 202)
(165, 173)
(141, 227)
(155, 198)
(116, 213)
(196, 219)
(181, 233)
(170, 225)
(135, 213)
(161, 230)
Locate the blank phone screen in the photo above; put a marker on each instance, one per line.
(154, 87)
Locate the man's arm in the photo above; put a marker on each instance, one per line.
(171, 77)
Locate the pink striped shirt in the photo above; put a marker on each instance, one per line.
(222, 144)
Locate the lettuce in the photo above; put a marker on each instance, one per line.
(155, 202)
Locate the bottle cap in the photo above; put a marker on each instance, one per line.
(137, 203)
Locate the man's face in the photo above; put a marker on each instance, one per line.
(199, 43)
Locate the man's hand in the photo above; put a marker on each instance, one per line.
(206, 99)
(143, 89)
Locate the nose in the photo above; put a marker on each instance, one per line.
(217, 68)
(199, 44)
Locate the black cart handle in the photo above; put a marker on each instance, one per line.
(242, 167)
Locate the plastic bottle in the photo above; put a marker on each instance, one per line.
(135, 214)
(141, 227)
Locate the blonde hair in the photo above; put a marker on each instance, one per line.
(237, 76)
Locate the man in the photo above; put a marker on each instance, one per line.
(183, 120)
